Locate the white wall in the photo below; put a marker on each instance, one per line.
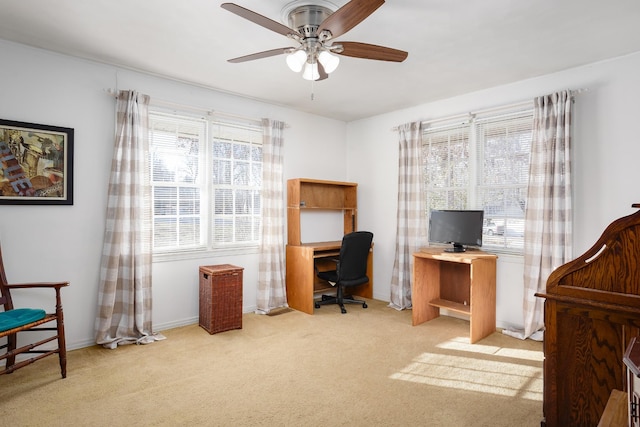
(65, 242)
(51, 243)
(605, 162)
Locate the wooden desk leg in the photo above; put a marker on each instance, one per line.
(300, 277)
(483, 299)
(424, 289)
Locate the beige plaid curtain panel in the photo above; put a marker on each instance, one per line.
(411, 217)
(124, 298)
(548, 216)
(271, 284)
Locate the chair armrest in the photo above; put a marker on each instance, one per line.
(55, 285)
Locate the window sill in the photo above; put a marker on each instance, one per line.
(198, 254)
(508, 256)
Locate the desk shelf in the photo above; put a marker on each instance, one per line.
(320, 288)
(324, 254)
(451, 305)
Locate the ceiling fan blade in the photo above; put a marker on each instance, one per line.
(348, 16)
(256, 18)
(260, 55)
(372, 51)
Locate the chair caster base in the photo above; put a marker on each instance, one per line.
(329, 299)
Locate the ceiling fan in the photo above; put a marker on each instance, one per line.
(314, 27)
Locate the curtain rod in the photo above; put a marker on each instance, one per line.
(490, 110)
(470, 114)
(209, 112)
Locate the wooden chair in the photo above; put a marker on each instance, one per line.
(15, 320)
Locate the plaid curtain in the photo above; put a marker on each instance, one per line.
(271, 274)
(548, 216)
(411, 217)
(124, 297)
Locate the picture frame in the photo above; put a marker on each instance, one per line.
(36, 164)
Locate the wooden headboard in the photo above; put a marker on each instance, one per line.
(592, 310)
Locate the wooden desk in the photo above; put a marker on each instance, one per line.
(461, 282)
(302, 283)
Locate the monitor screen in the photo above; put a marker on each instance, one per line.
(459, 227)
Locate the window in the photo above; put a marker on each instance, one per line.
(206, 179)
(483, 164)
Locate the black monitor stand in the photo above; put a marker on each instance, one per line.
(456, 248)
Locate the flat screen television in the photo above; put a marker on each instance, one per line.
(459, 227)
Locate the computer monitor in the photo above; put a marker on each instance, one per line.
(459, 227)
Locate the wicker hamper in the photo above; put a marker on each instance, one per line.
(220, 297)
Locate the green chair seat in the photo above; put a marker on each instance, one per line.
(20, 317)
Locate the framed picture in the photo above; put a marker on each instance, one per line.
(36, 164)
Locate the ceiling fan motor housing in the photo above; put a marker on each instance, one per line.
(306, 19)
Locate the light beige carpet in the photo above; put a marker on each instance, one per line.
(367, 367)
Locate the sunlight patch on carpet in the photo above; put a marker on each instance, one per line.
(462, 344)
(497, 377)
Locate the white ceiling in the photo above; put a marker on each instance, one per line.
(455, 46)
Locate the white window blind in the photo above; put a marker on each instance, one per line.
(177, 180)
(446, 158)
(482, 163)
(237, 181)
(504, 145)
(206, 182)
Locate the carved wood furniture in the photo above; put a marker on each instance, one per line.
(592, 310)
(18, 320)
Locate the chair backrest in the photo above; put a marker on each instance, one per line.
(354, 253)
(5, 295)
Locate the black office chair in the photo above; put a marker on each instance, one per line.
(351, 269)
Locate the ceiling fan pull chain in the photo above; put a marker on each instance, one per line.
(312, 88)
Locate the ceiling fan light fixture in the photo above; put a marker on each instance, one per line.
(296, 60)
(329, 62)
(314, 25)
(311, 71)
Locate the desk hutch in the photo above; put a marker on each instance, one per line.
(304, 258)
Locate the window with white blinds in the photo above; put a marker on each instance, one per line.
(237, 181)
(206, 179)
(482, 163)
(446, 152)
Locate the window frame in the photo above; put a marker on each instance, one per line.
(208, 246)
(476, 165)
